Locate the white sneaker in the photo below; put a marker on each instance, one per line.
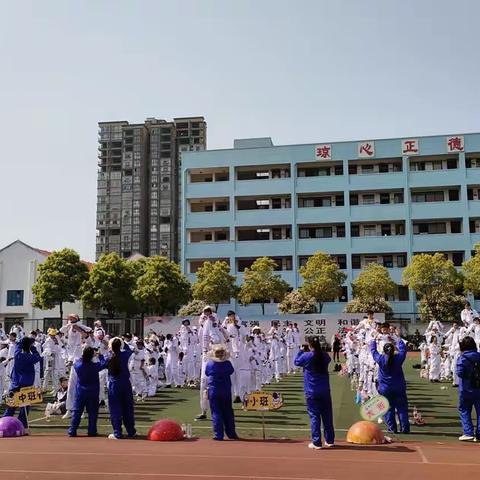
(329, 445)
(67, 415)
(314, 447)
(112, 437)
(466, 438)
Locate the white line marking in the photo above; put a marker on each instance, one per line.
(36, 420)
(169, 475)
(422, 455)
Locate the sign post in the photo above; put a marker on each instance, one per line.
(24, 398)
(262, 402)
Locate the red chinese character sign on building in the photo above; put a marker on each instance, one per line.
(323, 152)
(455, 144)
(410, 146)
(366, 149)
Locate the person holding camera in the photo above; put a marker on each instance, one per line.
(317, 392)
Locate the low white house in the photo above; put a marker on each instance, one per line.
(18, 273)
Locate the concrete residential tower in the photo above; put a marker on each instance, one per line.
(138, 190)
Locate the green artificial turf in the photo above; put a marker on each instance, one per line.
(436, 405)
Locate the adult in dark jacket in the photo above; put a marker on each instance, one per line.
(468, 393)
(23, 373)
(391, 383)
(316, 385)
(218, 371)
(87, 391)
(120, 395)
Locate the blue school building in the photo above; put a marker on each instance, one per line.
(360, 201)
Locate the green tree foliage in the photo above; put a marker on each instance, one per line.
(297, 302)
(434, 279)
(261, 284)
(162, 288)
(471, 272)
(442, 305)
(361, 305)
(194, 307)
(59, 280)
(322, 279)
(373, 283)
(110, 285)
(214, 283)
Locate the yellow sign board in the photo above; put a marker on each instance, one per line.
(24, 397)
(262, 401)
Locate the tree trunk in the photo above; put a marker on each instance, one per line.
(216, 307)
(263, 308)
(61, 310)
(320, 307)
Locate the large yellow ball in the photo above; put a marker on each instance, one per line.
(365, 433)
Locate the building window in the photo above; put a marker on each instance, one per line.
(403, 295)
(14, 298)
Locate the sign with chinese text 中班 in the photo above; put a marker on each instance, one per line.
(374, 408)
(24, 397)
(262, 401)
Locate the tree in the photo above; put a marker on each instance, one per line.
(322, 279)
(432, 278)
(214, 283)
(471, 272)
(261, 284)
(373, 283)
(110, 285)
(194, 307)
(441, 305)
(59, 280)
(162, 287)
(297, 302)
(361, 305)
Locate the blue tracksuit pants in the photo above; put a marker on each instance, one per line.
(85, 399)
(319, 409)
(467, 401)
(223, 418)
(398, 405)
(120, 404)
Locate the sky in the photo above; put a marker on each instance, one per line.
(299, 71)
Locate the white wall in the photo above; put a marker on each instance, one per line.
(18, 271)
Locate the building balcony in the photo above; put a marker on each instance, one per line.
(440, 242)
(387, 181)
(209, 250)
(434, 210)
(474, 239)
(288, 276)
(208, 189)
(308, 246)
(473, 175)
(436, 178)
(331, 183)
(316, 215)
(264, 248)
(395, 274)
(208, 219)
(380, 244)
(474, 208)
(378, 211)
(272, 186)
(275, 216)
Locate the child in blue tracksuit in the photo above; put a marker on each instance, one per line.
(120, 395)
(87, 391)
(391, 383)
(23, 373)
(317, 392)
(218, 371)
(468, 365)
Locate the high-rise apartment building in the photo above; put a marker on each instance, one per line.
(138, 191)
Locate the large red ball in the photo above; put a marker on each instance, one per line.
(165, 431)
